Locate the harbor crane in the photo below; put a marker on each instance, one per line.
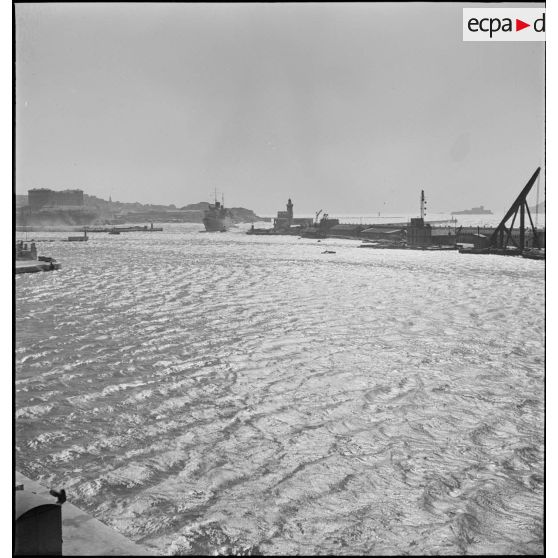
(503, 234)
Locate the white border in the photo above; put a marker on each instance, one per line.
(551, 295)
(6, 275)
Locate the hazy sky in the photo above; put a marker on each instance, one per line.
(350, 108)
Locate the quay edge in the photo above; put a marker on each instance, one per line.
(82, 534)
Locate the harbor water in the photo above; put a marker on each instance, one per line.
(224, 393)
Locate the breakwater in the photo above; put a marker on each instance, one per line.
(405, 235)
(90, 229)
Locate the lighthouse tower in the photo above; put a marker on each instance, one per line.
(290, 211)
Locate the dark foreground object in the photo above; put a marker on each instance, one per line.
(38, 525)
(63, 529)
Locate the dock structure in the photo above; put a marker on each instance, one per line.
(504, 240)
(83, 238)
(82, 535)
(132, 228)
(27, 261)
(286, 219)
(34, 266)
(502, 234)
(418, 234)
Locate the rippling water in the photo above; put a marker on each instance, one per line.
(210, 393)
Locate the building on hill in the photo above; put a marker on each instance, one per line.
(45, 197)
(69, 197)
(39, 197)
(21, 200)
(50, 207)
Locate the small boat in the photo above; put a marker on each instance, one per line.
(114, 231)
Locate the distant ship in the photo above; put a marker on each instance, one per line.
(216, 218)
(474, 211)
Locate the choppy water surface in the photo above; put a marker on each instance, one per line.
(210, 393)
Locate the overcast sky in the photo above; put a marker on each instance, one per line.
(353, 108)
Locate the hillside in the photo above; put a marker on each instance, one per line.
(99, 211)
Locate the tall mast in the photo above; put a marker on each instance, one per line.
(422, 205)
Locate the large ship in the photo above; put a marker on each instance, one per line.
(474, 211)
(216, 218)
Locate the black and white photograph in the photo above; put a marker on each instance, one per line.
(279, 278)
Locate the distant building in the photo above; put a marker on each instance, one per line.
(39, 197)
(45, 197)
(21, 200)
(290, 209)
(69, 197)
(419, 233)
(284, 219)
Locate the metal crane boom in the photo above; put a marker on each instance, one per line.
(519, 205)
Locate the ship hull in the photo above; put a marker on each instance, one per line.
(217, 224)
(471, 213)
